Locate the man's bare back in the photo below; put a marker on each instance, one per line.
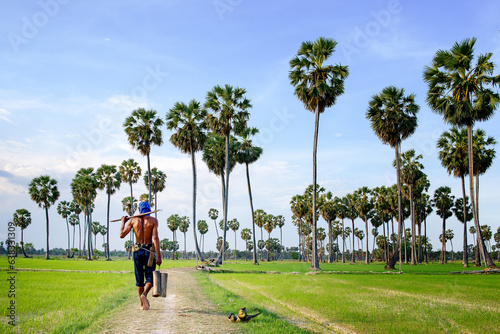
(143, 228)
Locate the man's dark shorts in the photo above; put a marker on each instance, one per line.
(140, 265)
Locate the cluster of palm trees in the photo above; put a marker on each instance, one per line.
(264, 221)
(458, 89)
(210, 127)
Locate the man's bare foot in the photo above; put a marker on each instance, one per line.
(145, 303)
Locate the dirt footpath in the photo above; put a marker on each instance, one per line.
(184, 310)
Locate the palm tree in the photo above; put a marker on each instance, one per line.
(486, 231)
(64, 209)
(73, 221)
(234, 225)
(130, 172)
(158, 180)
(341, 210)
(173, 223)
(248, 154)
(299, 210)
(183, 227)
(464, 215)
(352, 214)
(364, 205)
(187, 120)
(453, 154)
(129, 205)
(411, 173)
(269, 224)
(246, 235)
(143, 129)
(228, 113)
(496, 237)
(84, 190)
(43, 191)
(376, 222)
(449, 235)
(128, 246)
(328, 212)
(259, 220)
(483, 157)
(214, 214)
(203, 229)
(76, 208)
(382, 206)
(443, 201)
(96, 229)
(459, 90)
(317, 86)
(280, 222)
(22, 219)
(110, 179)
(393, 118)
(214, 155)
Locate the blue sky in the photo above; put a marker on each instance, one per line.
(72, 71)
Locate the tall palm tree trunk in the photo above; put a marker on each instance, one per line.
(107, 226)
(413, 225)
(261, 242)
(193, 163)
(367, 252)
(226, 197)
(330, 242)
(149, 178)
(373, 246)
(385, 243)
(281, 243)
(131, 213)
(425, 244)
(22, 243)
(488, 262)
(47, 257)
(466, 256)
(353, 242)
(84, 249)
(405, 241)
(314, 259)
(343, 242)
(397, 250)
(89, 235)
(443, 244)
(69, 236)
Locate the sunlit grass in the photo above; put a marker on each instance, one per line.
(415, 303)
(228, 302)
(62, 301)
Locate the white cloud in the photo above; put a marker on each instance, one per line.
(4, 115)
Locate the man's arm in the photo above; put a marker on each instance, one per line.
(124, 230)
(156, 241)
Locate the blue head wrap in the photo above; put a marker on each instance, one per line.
(144, 207)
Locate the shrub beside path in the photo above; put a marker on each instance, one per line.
(184, 310)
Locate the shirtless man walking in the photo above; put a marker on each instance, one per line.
(146, 234)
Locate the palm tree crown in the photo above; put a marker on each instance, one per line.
(143, 128)
(317, 86)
